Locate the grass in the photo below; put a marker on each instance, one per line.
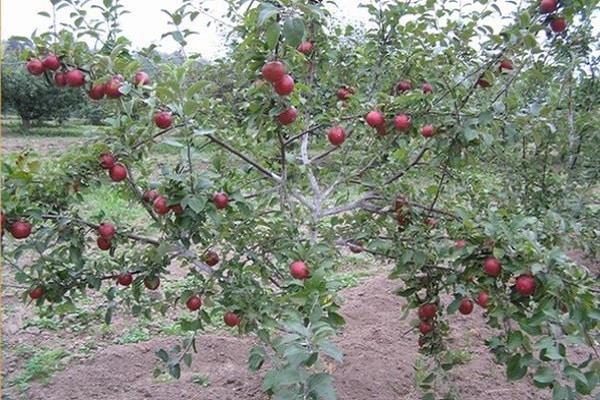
(40, 367)
(11, 126)
(134, 335)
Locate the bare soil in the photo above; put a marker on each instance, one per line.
(42, 145)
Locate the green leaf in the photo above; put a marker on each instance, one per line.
(272, 34)
(266, 12)
(293, 31)
(163, 355)
(514, 370)
(283, 377)
(175, 371)
(321, 385)
(256, 359)
(187, 359)
(330, 349)
(544, 375)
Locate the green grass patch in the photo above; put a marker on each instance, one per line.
(134, 335)
(71, 128)
(40, 367)
(115, 206)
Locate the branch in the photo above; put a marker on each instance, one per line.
(318, 126)
(359, 203)
(156, 135)
(412, 164)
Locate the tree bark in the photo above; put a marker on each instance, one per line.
(25, 123)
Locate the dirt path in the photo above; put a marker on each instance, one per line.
(378, 362)
(42, 145)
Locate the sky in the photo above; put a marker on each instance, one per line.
(144, 25)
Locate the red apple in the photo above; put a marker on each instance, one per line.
(558, 24)
(525, 285)
(125, 279)
(427, 131)
(402, 122)
(432, 222)
(427, 311)
(160, 205)
(75, 78)
(20, 229)
(403, 86)
(60, 79)
(336, 135)
(220, 200)
(427, 88)
(107, 230)
(465, 307)
(273, 71)
(51, 62)
(107, 160)
(492, 266)
(103, 244)
(356, 247)
(288, 116)
(35, 67)
(150, 195)
(112, 86)
(152, 282)
(118, 172)
(211, 258)
(176, 209)
(163, 119)
(284, 86)
(231, 319)
(483, 83)
(506, 64)
(483, 299)
(375, 119)
(343, 94)
(97, 92)
(36, 293)
(299, 270)
(460, 243)
(548, 6)
(305, 47)
(194, 303)
(141, 78)
(425, 327)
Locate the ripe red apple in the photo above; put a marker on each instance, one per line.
(465, 307)
(97, 92)
(506, 64)
(548, 6)
(427, 131)
(432, 222)
(112, 86)
(160, 205)
(525, 285)
(194, 303)
(305, 47)
(336, 135)
(163, 119)
(483, 83)
(20, 229)
(60, 79)
(107, 230)
(176, 209)
(35, 67)
(483, 299)
(107, 160)
(273, 71)
(103, 244)
(375, 119)
(75, 78)
(402, 122)
(288, 116)
(492, 266)
(558, 24)
(403, 86)
(460, 243)
(150, 195)
(425, 327)
(427, 311)
(299, 270)
(343, 94)
(36, 293)
(118, 172)
(125, 278)
(284, 86)
(231, 319)
(211, 258)
(427, 88)
(152, 282)
(141, 78)
(51, 62)
(220, 200)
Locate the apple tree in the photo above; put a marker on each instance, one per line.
(424, 139)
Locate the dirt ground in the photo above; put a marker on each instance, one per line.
(43, 145)
(379, 354)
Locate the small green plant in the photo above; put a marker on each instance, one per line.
(134, 335)
(41, 366)
(200, 380)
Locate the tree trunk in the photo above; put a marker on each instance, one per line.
(25, 123)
